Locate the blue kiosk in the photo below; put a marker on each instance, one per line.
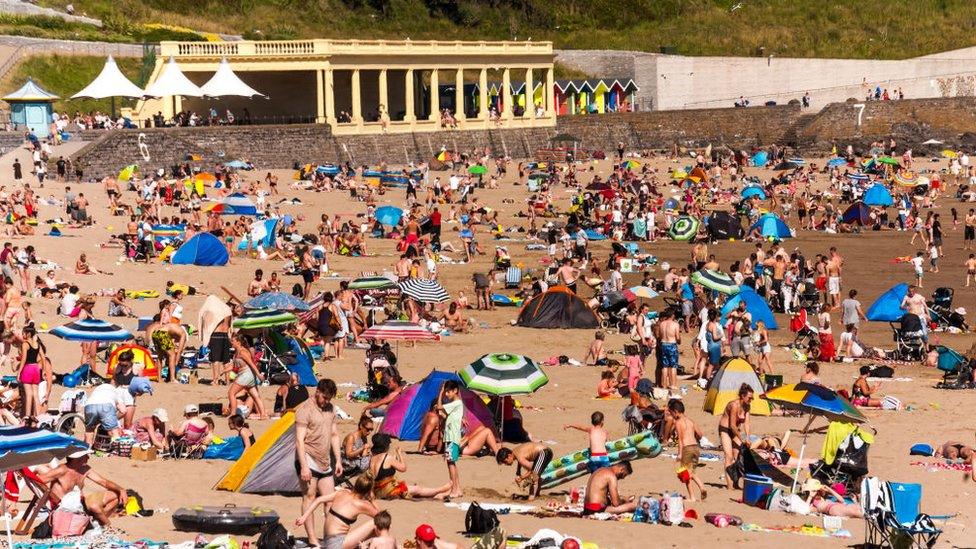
(32, 106)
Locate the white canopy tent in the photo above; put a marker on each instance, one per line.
(109, 83)
(172, 82)
(225, 83)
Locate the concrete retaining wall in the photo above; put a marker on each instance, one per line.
(910, 122)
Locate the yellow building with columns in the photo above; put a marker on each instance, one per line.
(369, 86)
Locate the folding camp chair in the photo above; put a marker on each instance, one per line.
(42, 498)
(893, 517)
(513, 278)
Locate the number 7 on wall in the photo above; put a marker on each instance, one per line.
(860, 112)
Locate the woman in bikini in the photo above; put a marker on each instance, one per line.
(828, 502)
(247, 380)
(733, 430)
(384, 467)
(346, 507)
(862, 393)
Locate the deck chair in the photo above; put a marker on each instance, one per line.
(41, 498)
(893, 517)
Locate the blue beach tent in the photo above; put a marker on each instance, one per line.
(203, 250)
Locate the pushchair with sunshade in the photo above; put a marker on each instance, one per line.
(807, 337)
(956, 370)
(849, 463)
(909, 338)
(809, 298)
(612, 309)
(942, 313)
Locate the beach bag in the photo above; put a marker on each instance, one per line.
(672, 509)
(66, 523)
(883, 371)
(479, 520)
(275, 537)
(890, 403)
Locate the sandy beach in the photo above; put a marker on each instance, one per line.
(931, 415)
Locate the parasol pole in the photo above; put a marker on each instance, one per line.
(803, 448)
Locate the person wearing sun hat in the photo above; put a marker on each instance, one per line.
(827, 501)
(152, 429)
(67, 484)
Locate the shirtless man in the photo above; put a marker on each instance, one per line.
(699, 255)
(914, 304)
(602, 495)
(834, 263)
(568, 274)
(169, 340)
(402, 267)
(258, 285)
(670, 332)
(533, 458)
(71, 475)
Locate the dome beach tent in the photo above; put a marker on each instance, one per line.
(724, 388)
(887, 308)
(771, 226)
(755, 305)
(225, 83)
(267, 467)
(724, 226)
(878, 195)
(558, 307)
(405, 413)
(857, 213)
(143, 363)
(204, 250)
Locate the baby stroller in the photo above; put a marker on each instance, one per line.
(613, 309)
(380, 366)
(909, 338)
(809, 298)
(807, 337)
(940, 309)
(849, 466)
(957, 373)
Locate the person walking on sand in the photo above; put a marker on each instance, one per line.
(970, 269)
(670, 332)
(451, 408)
(598, 441)
(733, 431)
(317, 445)
(689, 452)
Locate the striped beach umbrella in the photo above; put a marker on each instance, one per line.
(372, 283)
(279, 301)
(906, 178)
(92, 329)
(503, 374)
(715, 280)
(684, 228)
(424, 290)
(235, 204)
(398, 330)
(858, 177)
(263, 318)
(26, 446)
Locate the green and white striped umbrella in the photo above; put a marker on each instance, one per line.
(715, 280)
(504, 374)
(263, 318)
(684, 228)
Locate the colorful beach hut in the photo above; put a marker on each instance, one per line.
(32, 106)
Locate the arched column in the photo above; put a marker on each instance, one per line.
(529, 94)
(508, 103)
(410, 116)
(435, 95)
(357, 99)
(483, 94)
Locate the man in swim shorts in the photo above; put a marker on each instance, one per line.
(602, 495)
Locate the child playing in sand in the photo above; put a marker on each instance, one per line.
(596, 351)
(918, 263)
(453, 413)
(689, 451)
(533, 458)
(608, 384)
(382, 539)
(970, 269)
(598, 441)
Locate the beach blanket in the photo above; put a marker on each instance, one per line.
(500, 508)
(705, 456)
(943, 465)
(805, 530)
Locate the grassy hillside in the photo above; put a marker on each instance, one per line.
(67, 75)
(826, 28)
